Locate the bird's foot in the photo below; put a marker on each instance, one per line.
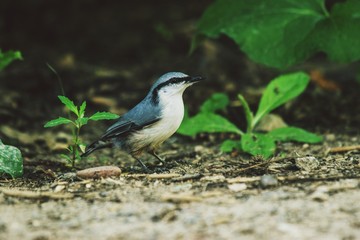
(143, 166)
(162, 160)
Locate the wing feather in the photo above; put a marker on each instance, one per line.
(122, 128)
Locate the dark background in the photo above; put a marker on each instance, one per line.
(116, 49)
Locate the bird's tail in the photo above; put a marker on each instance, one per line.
(98, 144)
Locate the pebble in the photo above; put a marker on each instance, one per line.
(99, 172)
(267, 181)
(59, 188)
(270, 122)
(237, 187)
(199, 148)
(321, 194)
(330, 137)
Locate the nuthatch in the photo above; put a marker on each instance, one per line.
(146, 126)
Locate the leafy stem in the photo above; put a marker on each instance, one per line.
(76, 146)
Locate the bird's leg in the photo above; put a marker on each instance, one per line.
(157, 157)
(144, 167)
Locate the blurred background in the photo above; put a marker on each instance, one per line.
(105, 52)
(109, 53)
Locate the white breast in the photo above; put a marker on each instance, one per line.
(154, 135)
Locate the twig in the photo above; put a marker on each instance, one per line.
(344, 149)
(187, 177)
(180, 198)
(163, 176)
(35, 195)
(316, 179)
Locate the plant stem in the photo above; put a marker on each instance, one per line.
(76, 144)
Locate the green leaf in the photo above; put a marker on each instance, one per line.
(7, 57)
(340, 41)
(229, 145)
(58, 121)
(82, 110)
(103, 116)
(82, 147)
(279, 91)
(207, 122)
(216, 102)
(66, 157)
(69, 104)
(248, 113)
(281, 33)
(11, 161)
(258, 144)
(294, 134)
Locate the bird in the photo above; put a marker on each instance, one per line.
(152, 121)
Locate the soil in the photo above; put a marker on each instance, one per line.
(108, 55)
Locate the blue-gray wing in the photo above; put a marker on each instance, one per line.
(137, 118)
(122, 127)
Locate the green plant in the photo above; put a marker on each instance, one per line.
(11, 161)
(279, 91)
(7, 57)
(77, 146)
(282, 33)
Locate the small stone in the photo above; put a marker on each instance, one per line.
(305, 146)
(199, 148)
(59, 188)
(267, 181)
(307, 164)
(320, 194)
(237, 187)
(99, 172)
(270, 122)
(330, 137)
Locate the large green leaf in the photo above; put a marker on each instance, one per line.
(294, 134)
(57, 122)
(7, 57)
(216, 102)
(258, 144)
(11, 161)
(207, 122)
(281, 33)
(69, 104)
(279, 91)
(103, 116)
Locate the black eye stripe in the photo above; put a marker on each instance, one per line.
(171, 81)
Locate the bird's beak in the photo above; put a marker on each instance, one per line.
(196, 79)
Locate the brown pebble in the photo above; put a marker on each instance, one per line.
(99, 172)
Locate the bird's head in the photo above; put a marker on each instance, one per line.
(172, 84)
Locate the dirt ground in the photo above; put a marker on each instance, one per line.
(304, 192)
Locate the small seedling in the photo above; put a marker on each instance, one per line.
(76, 146)
(279, 91)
